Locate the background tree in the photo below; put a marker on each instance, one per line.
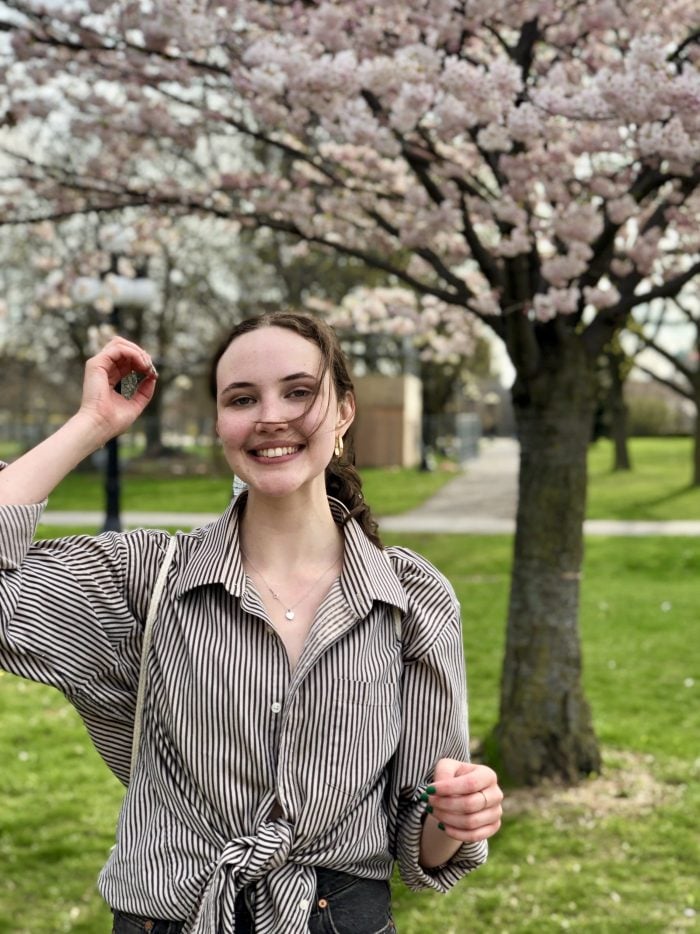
(533, 163)
(681, 373)
(417, 334)
(612, 412)
(58, 318)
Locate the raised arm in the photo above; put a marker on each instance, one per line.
(102, 415)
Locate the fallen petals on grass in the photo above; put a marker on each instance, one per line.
(628, 786)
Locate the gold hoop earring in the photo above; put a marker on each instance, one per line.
(338, 449)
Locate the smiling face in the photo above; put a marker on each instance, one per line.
(277, 425)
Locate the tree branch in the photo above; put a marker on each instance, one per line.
(687, 394)
(668, 289)
(417, 159)
(689, 40)
(258, 136)
(648, 180)
(48, 37)
(484, 260)
(523, 53)
(370, 259)
(666, 355)
(609, 320)
(690, 317)
(521, 343)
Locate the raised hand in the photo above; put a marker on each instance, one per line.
(103, 414)
(111, 412)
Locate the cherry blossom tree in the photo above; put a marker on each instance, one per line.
(409, 333)
(60, 306)
(533, 163)
(438, 331)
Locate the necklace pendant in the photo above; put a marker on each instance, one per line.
(289, 614)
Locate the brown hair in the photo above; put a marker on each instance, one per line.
(342, 479)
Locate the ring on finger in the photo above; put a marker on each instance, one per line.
(486, 803)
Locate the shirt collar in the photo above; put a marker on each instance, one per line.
(368, 574)
(215, 557)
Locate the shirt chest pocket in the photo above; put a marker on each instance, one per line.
(359, 726)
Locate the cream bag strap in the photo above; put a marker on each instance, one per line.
(398, 620)
(147, 637)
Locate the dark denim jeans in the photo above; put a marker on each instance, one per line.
(344, 905)
(136, 924)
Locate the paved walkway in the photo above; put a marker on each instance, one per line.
(482, 499)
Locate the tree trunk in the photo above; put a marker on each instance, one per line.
(618, 414)
(153, 425)
(545, 727)
(618, 430)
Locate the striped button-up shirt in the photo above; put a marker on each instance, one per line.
(250, 773)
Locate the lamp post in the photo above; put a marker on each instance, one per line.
(119, 292)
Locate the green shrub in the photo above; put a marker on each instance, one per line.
(652, 415)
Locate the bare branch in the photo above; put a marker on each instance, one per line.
(671, 384)
(652, 344)
(690, 316)
(668, 289)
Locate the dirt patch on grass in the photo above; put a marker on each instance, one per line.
(628, 787)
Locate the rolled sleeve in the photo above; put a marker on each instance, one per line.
(468, 857)
(434, 720)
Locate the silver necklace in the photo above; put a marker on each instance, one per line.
(288, 610)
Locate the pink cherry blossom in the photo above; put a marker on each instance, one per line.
(405, 134)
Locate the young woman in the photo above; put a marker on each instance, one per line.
(305, 720)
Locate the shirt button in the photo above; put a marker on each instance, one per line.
(304, 904)
(276, 707)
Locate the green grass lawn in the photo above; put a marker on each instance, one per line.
(658, 486)
(620, 853)
(389, 491)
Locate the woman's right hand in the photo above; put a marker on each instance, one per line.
(110, 412)
(103, 414)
